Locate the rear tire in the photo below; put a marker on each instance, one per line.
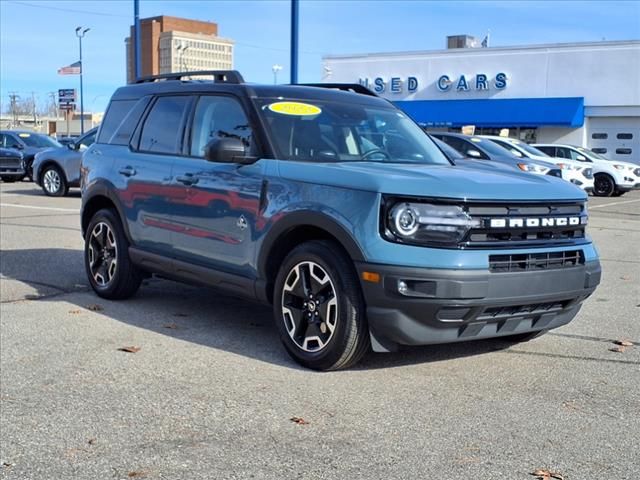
(319, 309)
(54, 183)
(603, 185)
(106, 255)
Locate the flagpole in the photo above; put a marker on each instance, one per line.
(80, 34)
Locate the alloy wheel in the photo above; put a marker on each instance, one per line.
(603, 186)
(102, 252)
(52, 181)
(309, 306)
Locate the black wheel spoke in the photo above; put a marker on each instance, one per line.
(305, 278)
(325, 294)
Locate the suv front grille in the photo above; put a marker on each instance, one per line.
(515, 225)
(535, 261)
(498, 313)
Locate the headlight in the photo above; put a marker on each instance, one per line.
(566, 166)
(531, 168)
(618, 167)
(426, 223)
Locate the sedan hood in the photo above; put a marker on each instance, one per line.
(472, 182)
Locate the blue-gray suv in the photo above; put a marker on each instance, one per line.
(335, 207)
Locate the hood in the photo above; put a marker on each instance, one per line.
(470, 182)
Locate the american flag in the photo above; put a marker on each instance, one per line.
(73, 69)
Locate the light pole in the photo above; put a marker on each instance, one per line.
(275, 69)
(80, 31)
(181, 49)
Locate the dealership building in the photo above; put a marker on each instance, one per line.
(585, 94)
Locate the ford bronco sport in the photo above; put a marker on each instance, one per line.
(332, 205)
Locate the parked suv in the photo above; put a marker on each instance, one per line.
(332, 205)
(29, 143)
(611, 177)
(58, 169)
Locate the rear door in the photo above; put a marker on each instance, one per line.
(143, 173)
(216, 215)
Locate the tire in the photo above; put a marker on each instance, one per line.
(104, 247)
(54, 183)
(335, 298)
(603, 185)
(8, 179)
(524, 337)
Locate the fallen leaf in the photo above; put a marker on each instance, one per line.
(74, 312)
(131, 349)
(172, 326)
(544, 474)
(137, 474)
(299, 420)
(620, 349)
(95, 307)
(624, 343)
(91, 441)
(7, 464)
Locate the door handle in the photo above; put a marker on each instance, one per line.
(187, 179)
(127, 171)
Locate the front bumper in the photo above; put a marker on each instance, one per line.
(443, 306)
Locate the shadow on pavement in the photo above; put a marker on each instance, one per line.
(197, 314)
(35, 190)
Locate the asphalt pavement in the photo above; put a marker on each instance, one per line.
(211, 393)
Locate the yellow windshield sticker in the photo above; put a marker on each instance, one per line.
(295, 108)
(24, 135)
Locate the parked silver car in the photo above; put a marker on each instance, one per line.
(58, 169)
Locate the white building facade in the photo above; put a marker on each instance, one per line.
(586, 94)
(187, 52)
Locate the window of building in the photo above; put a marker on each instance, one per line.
(599, 136)
(623, 151)
(161, 132)
(599, 150)
(624, 136)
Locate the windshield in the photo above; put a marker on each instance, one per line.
(38, 141)
(590, 154)
(448, 150)
(321, 131)
(528, 148)
(491, 148)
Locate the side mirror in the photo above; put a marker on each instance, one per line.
(227, 150)
(581, 158)
(473, 153)
(517, 153)
(72, 146)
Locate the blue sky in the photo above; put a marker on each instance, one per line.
(37, 37)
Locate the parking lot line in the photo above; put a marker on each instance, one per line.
(614, 203)
(17, 205)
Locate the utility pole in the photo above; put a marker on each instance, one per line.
(294, 41)
(55, 103)
(80, 31)
(33, 104)
(13, 102)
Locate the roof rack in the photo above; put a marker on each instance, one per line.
(219, 76)
(347, 87)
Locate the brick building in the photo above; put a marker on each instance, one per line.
(171, 44)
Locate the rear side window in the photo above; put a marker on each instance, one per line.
(162, 130)
(551, 151)
(116, 112)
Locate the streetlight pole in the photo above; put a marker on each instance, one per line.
(275, 69)
(80, 32)
(294, 41)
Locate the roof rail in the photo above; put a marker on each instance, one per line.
(219, 76)
(347, 87)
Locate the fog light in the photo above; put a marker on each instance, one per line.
(403, 288)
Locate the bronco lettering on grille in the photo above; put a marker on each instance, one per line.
(535, 222)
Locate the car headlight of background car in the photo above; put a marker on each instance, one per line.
(566, 166)
(425, 224)
(531, 168)
(619, 167)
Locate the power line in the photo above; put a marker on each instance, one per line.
(62, 9)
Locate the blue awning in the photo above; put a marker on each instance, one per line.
(512, 112)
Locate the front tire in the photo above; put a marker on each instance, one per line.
(319, 309)
(106, 254)
(54, 183)
(603, 185)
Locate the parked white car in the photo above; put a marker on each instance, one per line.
(573, 171)
(611, 177)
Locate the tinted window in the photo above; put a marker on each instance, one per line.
(123, 132)
(599, 150)
(218, 117)
(456, 143)
(88, 140)
(599, 136)
(38, 140)
(161, 132)
(551, 151)
(624, 136)
(116, 112)
(562, 152)
(7, 141)
(623, 151)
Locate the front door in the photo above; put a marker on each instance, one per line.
(216, 219)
